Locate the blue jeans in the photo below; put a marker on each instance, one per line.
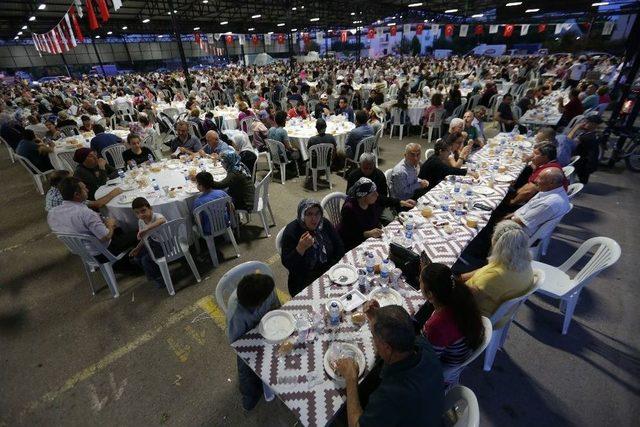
(151, 269)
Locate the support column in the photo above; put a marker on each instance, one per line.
(95, 49)
(126, 47)
(176, 33)
(66, 66)
(244, 62)
(358, 38)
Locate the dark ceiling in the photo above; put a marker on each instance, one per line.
(332, 13)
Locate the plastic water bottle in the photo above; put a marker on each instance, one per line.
(363, 285)
(150, 158)
(456, 187)
(121, 174)
(444, 204)
(384, 272)
(370, 263)
(334, 313)
(156, 186)
(408, 228)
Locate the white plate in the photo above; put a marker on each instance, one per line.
(191, 190)
(329, 357)
(357, 299)
(525, 144)
(129, 187)
(172, 166)
(387, 296)
(504, 178)
(126, 199)
(276, 326)
(343, 274)
(483, 190)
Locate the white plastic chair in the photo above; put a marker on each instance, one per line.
(468, 417)
(113, 154)
(457, 113)
(245, 124)
(433, 123)
(568, 172)
(322, 155)
(366, 145)
(473, 101)
(9, 149)
(36, 173)
(171, 112)
(267, 157)
(228, 283)
(572, 123)
(332, 206)
(261, 203)
(388, 174)
(69, 130)
(557, 283)
(428, 153)
(452, 374)
(574, 189)
(66, 158)
(279, 240)
(77, 245)
(502, 318)
(172, 238)
(539, 241)
(220, 216)
(276, 148)
(397, 120)
(573, 160)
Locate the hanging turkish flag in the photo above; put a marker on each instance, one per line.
(196, 37)
(254, 39)
(76, 26)
(104, 10)
(586, 26)
(91, 16)
(305, 37)
(61, 38)
(479, 30)
(54, 50)
(371, 33)
(393, 31)
(542, 28)
(343, 37)
(280, 38)
(68, 29)
(448, 30)
(508, 30)
(229, 39)
(419, 29)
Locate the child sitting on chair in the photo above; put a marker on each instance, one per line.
(147, 221)
(254, 297)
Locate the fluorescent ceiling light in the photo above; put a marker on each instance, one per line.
(415, 5)
(478, 15)
(251, 29)
(451, 11)
(224, 22)
(146, 20)
(175, 11)
(281, 24)
(19, 33)
(391, 24)
(294, 8)
(161, 35)
(357, 22)
(531, 10)
(203, 1)
(256, 16)
(514, 3)
(42, 6)
(228, 33)
(125, 27)
(196, 28)
(109, 33)
(33, 18)
(24, 27)
(16, 38)
(353, 13)
(96, 37)
(293, 30)
(601, 3)
(314, 19)
(269, 33)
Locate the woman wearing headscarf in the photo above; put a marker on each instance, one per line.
(310, 246)
(361, 213)
(238, 182)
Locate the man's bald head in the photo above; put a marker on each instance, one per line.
(212, 138)
(550, 179)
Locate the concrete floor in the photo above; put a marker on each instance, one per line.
(71, 358)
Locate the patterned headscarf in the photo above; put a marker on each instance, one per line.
(231, 162)
(317, 254)
(362, 188)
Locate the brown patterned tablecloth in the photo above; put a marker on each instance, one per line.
(299, 378)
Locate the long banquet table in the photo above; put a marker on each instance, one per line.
(298, 378)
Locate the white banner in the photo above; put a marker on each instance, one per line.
(241, 39)
(493, 29)
(435, 28)
(463, 30)
(217, 36)
(406, 29)
(79, 8)
(380, 32)
(558, 29)
(117, 4)
(267, 40)
(608, 28)
(524, 29)
(319, 37)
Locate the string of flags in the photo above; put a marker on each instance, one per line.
(67, 33)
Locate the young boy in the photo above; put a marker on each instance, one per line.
(147, 221)
(256, 296)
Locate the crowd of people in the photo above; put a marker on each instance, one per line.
(414, 350)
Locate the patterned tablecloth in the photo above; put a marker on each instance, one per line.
(299, 378)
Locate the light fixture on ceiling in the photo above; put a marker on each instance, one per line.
(415, 5)
(205, 1)
(451, 11)
(109, 33)
(196, 28)
(294, 8)
(514, 3)
(251, 29)
(19, 33)
(32, 18)
(353, 13)
(256, 16)
(391, 24)
(175, 11)
(600, 3)
(269, 33)
(477, 15)
(357, 22)
(531, 10)
(169, 13)
(42, 6)
(146, 20)
(125, 27)
(314, 19)
(280, 24)
(24, 27)
(16, 38)
(162, 35)
(578, 38)
(224, 22)
(96, 37)
(293, 30)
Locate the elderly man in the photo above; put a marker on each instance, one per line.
(361, 131)
(550, 202)
(585, 137)
(91, 170)
(184, 142)
(74, 216)
(214, 145)
(544, 157)
(410, 390)
(404, 177)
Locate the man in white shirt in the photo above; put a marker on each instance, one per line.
(550, 202)
(576, 71)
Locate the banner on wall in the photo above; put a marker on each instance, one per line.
(280, 38)
(448, 30)
(479, 30)
(542, 28)
(393, 31)
(435, 28)
(343, 36)
(463, 30)
(524, 29)
(419, 29)
(371, 33)
(508, 30)
(493, 29)
(406, 29)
